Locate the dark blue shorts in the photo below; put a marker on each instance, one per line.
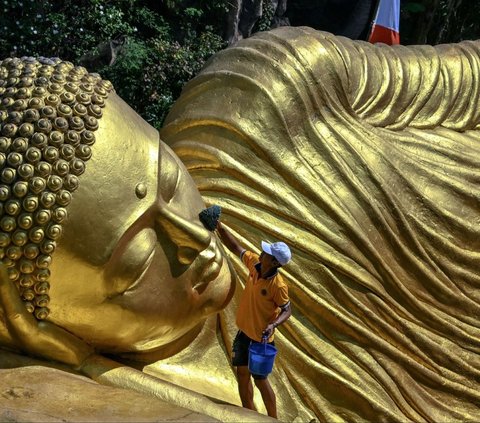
(240, 351)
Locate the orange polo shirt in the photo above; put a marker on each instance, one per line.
(261, 300)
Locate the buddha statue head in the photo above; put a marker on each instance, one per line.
(99, 226)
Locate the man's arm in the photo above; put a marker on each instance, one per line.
(229, 240)
(285, 313)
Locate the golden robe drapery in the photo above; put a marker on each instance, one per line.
(366, 160)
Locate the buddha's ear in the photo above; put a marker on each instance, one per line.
(37, 338)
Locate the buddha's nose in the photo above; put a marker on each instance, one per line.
(190, 238)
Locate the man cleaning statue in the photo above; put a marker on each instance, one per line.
(102, 250)
(263, 307)
(364, 159)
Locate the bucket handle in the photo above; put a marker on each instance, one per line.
(264, 341)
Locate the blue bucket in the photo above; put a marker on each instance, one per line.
(260, 358)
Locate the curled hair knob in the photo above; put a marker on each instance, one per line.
(30, 202)
(41, 313)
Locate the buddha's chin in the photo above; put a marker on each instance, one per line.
(153, 350)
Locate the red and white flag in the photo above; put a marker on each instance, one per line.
(386, 26)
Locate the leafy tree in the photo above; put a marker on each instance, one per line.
(166, 42)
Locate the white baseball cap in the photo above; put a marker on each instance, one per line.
(279, 250)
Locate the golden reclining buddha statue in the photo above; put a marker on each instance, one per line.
(364, 158)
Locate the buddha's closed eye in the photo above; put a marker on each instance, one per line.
(131, 258)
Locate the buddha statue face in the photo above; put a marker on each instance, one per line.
(134, 269)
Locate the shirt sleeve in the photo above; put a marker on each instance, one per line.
(249, 259)
(280, 297)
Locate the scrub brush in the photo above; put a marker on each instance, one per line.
(210, 216)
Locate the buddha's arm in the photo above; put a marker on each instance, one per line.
(38, 338)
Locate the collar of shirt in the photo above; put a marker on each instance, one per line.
(269, 276)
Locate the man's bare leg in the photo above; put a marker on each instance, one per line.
(268, 396)
(245, 387)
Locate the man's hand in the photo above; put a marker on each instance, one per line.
(267, 333)
(285, 313)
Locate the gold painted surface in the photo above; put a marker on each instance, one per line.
(49, 113)
(365, 159)
(39, 394)
(153, 272)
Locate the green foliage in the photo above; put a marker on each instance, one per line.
(59, 28)
(265, 21)
(166, 42)
(150, 74)
(414, 7)
(457, 20)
